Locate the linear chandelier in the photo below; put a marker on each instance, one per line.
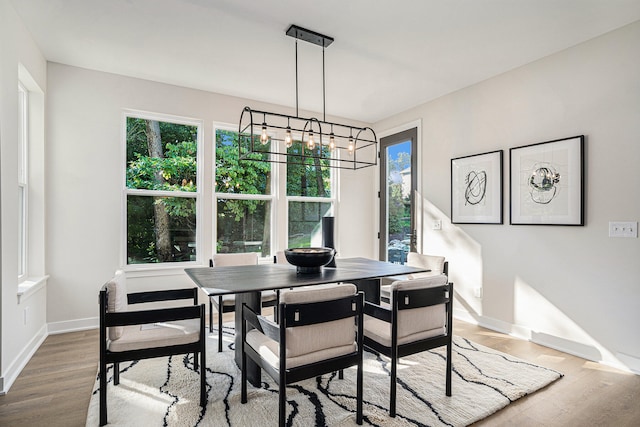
(281, 138)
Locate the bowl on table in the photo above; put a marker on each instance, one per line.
(309, 260)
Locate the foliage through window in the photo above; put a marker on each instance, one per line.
(243, 199)
(161, 190)
(248, 204)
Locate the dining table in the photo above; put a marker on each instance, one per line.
(247, 281)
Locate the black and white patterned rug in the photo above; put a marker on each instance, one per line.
(165, 391)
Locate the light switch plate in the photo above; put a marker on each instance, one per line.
(623, 229)
(437, 224)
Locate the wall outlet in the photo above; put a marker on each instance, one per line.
(623, 229)
(477, 292)
(25, 315)
(437, 224)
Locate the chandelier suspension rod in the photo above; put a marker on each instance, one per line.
(297, 115)
(324, 101)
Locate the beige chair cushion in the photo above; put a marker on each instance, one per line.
(308, 344)
(281, 259)
(414, 324)
(136, 337)
(414, 259)
(117, 300)
(226, 260)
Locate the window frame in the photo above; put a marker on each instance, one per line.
(23, 182)
(197, 195)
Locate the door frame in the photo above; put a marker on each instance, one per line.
(398, 134)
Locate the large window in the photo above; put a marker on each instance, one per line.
(309, 197)
(249, 199)
(23, 141)
(244, 199)
(161, 189)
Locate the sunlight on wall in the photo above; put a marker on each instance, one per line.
(538, 320)
(463, 253)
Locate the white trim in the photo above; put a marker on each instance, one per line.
(620, 361)
(76, 325)
(21, 360)
(30, 287)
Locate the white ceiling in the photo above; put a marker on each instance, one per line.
(388, 56)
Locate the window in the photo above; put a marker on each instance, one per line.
(23, 141)
(244, 199)
(309, 196)
(248, 200)
(161, 175)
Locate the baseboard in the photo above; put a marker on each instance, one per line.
(585, 351)
(74, 325)
(21, 360)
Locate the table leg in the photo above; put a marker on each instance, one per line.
(371, 288)
(253, 301)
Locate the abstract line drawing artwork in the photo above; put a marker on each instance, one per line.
(546, 183)
(476, 189)
(543, 183)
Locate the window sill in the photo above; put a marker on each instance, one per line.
(30, 287)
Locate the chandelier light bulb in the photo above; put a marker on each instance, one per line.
(332, 142)
(264, 138)
(287, 137)
(350, 146)
(311, 144)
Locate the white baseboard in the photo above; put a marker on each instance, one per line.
(74, 325)
(585, 351)
(21, 360)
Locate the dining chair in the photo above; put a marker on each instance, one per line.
(319, 331)
(127, 334)
(227, 303)
(419, 318)
(435, 263)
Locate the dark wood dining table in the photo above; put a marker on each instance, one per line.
(248, 281)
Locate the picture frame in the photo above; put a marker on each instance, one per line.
(476, 189)
(547, 183)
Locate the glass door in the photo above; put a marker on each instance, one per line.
(398, 183)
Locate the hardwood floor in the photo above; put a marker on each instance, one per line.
(54, 388)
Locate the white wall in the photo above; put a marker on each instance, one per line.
(572, 288)
(19, 339)
(84, 178)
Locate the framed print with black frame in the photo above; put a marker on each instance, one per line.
(547, 183)
(476, 189)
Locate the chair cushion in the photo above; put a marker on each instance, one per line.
(303, 340)
(225, 260)
(269, 350)
(117, 300)
(137, 337)
(432, 262)
(310, 343)
(414, 324)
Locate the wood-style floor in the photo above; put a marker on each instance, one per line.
(54, 388)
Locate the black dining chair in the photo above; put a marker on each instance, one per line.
(127, 334)
(319, 331)
(419, 318)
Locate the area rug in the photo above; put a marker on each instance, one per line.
(165, 391)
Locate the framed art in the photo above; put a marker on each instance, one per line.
(547, 183)
(476, 189)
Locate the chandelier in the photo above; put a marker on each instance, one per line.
(281, 138)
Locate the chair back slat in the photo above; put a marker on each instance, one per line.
(305, 314)
(417, 298)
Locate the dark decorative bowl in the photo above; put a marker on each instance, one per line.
(309, 260)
